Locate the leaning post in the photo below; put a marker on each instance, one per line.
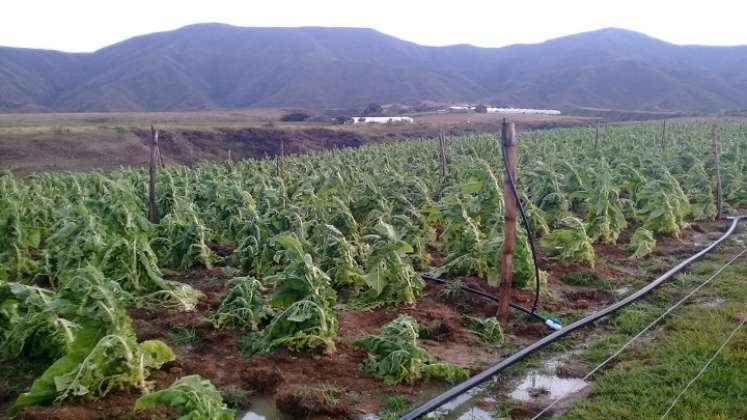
(152, 214)
(508, 143)
(717, 164)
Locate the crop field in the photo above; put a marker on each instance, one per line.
(299, 282)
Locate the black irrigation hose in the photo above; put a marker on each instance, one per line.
(472, 382)
(530, 234)
(495, 299)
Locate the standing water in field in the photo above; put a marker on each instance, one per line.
(546, 385)
(263, 408)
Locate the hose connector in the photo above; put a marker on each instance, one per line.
(554, 324)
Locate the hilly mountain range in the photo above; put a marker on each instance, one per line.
(208, 66)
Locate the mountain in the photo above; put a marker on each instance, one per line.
(222, 66)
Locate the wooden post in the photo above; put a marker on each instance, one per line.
(717, 165)
(229, 156)
(596, 136)
(508, 141)
(281, 159)
(152, 215)
(442, 152)
(664, 136)
(158, 152)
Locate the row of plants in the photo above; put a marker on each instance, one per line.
(350, 227)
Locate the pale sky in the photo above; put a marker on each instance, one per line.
(78, 25)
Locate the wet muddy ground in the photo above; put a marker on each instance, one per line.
(293, 385)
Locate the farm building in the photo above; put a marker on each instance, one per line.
(383, 120)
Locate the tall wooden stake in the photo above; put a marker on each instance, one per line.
(152, 215)
(158, 152)
(508, 140)
(596, 137)
(664, 136)
(442, 152)
(229, 156)
(717, 164)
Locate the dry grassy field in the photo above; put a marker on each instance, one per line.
(82, 141)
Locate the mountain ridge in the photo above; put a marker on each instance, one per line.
(213, 65)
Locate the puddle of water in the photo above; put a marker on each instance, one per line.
(545, 384)
(263, 408)
(476, 413)
(454, 404)
(465, 406)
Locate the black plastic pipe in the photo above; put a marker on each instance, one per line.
(483, 376)
(550, 323)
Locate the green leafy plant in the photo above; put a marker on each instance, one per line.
(95, 366)
(606, 218)
(395, 356)
(452, 290)
(183, 238)
(663, 206)
(242, 305)
(195, 398)
(29, 323)
(338, 257)
(301, 279)
(104, 354)
(305, 326)
(572, 244)
(641, 243)
(390, 275)
(488, 330)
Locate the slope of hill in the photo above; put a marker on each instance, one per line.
(221, 66)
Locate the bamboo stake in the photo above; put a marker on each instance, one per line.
(664, 136)
(152, 215)
(508, 140)
(596, 136)
(717, 164)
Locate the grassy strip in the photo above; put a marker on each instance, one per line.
(646, 378)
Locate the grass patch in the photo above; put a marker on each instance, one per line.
(587, 279)
(646, 378)
(394, 405)
(329, 394)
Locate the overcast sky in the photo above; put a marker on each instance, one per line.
(78, 25)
